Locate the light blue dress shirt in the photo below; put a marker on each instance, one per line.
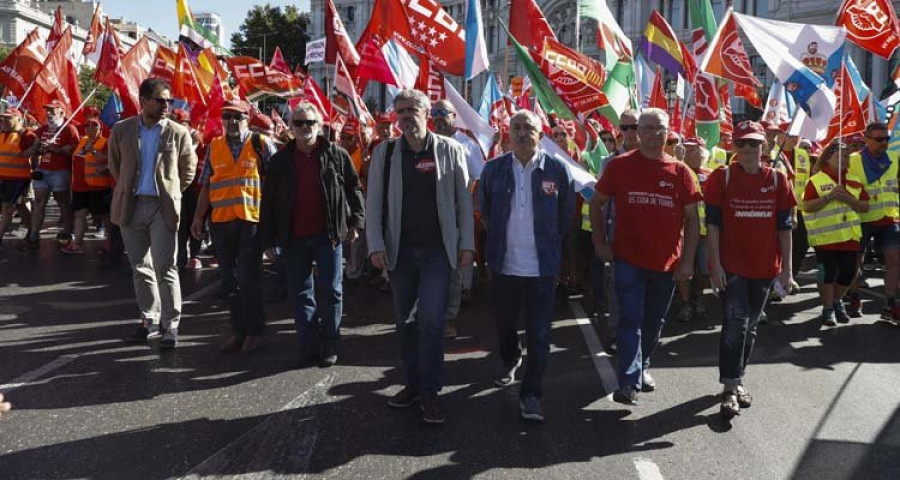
(149, 146)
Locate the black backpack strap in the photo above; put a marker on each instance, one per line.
(389, 151)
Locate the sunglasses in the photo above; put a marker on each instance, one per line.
(232, 116)
(625, 128)
(304, 123)
(443, 112)
(747, 143)
(672, 142)
(164, 101)
(879, 139)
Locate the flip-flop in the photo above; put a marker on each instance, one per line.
(730, 406)
(744, 399)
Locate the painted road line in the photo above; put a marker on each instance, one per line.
(604, 367)
(647, 469)
(283, 442)
(33, 375)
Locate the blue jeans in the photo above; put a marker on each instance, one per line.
(303, 289)
(240, 258)
(644, 297)
(536, 295)
(742, 302)
(419, 283)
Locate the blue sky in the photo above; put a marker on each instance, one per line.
(160, 14)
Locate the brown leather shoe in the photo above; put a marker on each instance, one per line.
(251, 344)
(233, 345)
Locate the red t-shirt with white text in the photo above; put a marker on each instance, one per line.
(650, 196)
(748, 242)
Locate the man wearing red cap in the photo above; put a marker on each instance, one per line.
(656, 211)
(16, 148)
(53, 173)
(749, 222)
(231, 185)
(152, 161)
(91, 183)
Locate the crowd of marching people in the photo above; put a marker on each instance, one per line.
(416, 207)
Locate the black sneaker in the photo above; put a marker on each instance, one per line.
(626, 395)
(840, 314)
(433, 410)
(142, 333)
(169, 339)
(404, 398)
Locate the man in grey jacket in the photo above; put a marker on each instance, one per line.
(419, 226)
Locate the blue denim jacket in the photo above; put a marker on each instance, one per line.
(553, 209)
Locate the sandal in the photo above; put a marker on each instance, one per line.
(744, 399)
(730, 406)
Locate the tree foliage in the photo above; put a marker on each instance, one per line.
(86, 83)
(267, 27)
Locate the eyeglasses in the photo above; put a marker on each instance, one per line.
(625, 128)
(164, 101)
(879, 139)
(232, 116)
(443, 112)
(747, 143)
(304, 123)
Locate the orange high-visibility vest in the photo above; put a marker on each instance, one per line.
(235, 190)
(93, 176)
(13, 165)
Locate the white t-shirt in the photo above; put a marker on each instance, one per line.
(474, 157)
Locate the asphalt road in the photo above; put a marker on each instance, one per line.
(86, 405)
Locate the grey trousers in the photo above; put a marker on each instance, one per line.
(151, 247)
(460, 279)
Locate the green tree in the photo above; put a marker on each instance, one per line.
(5, 50)
(267, 27)
(86, 83)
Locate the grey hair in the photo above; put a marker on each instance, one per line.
(633, 114)
(308, 107)
(658, 113)
(532, 118)
(418, 98)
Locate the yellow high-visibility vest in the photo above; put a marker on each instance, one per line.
(13, 165)
(836, 222)
(883, 198)
(235, 190)
(718, 158)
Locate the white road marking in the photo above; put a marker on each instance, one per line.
(608, 377)
(283, 442)
(647, 469)
(33, 375)
(201, 293)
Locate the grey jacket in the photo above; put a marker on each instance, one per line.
(453, 200)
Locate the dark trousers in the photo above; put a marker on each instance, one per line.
(536, 296)
(420, 283)
(188, 246)
(240, 258)
(742, 302)
(799, 244)
(317, 302)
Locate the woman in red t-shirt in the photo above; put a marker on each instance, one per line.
(837, 259)
(91, 183)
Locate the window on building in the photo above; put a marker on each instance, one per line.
(351, 10)
(492, 32)
(620, 11)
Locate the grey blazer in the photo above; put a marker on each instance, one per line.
(454, 201)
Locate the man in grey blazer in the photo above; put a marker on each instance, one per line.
(419, 226)
(152, 159)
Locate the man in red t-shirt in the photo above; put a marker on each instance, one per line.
(656, 206)
(748, 217)
(54, 172)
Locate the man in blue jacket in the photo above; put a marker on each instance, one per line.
(527, 204)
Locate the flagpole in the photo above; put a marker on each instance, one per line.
(72, 117)
(790, 127)
(687, 100)
(841, 115)
(27, 91)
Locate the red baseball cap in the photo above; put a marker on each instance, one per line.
(262, 121)
(55, 104)
(749, 130)
(695, 141)
(239, 106)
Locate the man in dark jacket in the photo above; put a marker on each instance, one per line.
(527, 204)
(311, 203)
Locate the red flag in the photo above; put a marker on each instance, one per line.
(136, 66)
(280, 126)
(94, 32)
(313, 94)
(212, 122)
(185, 85)
(749, 94)
(431, 82)
(657, 94)
(373, 65)
(346, 88)
(528, 24)
(689, 64)
(727, 57)
(336, 39)
(675, 120)
(278, 63)
(726, 125)
(848, 117)
(22, 65)
(706, 99)
(109, 67)
(56, 30)
(55, 79)
(871, 24)
(690, 123)
(698, 42)
(164, 64)
(256, 80)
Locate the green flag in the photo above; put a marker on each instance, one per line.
(702, 16)
(593, 156)
(543, 91)
(618, 90)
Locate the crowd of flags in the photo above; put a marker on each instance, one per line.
(417, 44)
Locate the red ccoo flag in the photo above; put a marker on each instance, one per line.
(164, 64)
(94, 32)
(528, 24)
(848, 116)
(749, 94)
(871, 24)
(19, 68)
(727, 57)
(278, 62)
(59, 79)
(56, 30)
(336, 39)
(110, 71)
(657, 95)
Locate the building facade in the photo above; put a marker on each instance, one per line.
(632, 16)
(212, 22)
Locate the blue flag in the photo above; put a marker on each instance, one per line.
(111, 111)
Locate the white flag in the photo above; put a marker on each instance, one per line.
(468, 118)
(315, 51)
